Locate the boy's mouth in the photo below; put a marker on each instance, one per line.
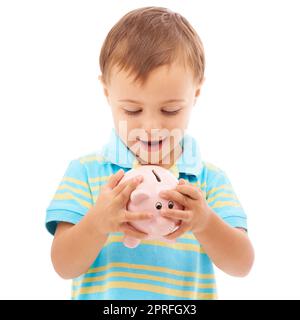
(153, 145)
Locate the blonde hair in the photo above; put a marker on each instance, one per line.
(147, 38)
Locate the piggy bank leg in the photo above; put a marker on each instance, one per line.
(131, 242)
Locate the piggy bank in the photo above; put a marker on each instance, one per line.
(146, 198)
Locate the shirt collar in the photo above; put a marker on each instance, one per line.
(189, 162)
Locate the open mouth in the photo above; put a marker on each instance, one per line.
(151, 142)
(151, 146)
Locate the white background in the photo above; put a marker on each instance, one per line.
(247, 122)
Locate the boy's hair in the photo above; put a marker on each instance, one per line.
(150, 37)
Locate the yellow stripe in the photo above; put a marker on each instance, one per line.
(79, 191)
(224, 186)
(99, 179)
(143, 287)
(176, 246)
(91, 158)
(145, 276)
(151, 268)
(188, 235)
(76, 181)
(222, 195)
(220, 204)
(69, 196)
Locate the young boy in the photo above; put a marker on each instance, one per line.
(152, 65)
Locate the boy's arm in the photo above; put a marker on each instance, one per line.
(229, 248)
(75, 247)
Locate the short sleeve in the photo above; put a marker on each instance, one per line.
(221, 197)
(72, 198)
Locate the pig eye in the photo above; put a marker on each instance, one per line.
(158, 205)
(170, 204)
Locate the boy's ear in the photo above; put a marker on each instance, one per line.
(198, 90)
(100, 78)
(197, 94)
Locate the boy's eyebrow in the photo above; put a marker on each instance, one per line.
(138, 102)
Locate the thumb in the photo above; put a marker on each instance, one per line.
(114, 179)
(182, 181)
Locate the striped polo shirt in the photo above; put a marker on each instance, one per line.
(154, 269)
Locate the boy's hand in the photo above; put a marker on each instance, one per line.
(196, 210)
(110, 207)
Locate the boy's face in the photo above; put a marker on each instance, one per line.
(151, 119)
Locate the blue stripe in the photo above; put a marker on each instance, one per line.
(223, 199)
(230, 211)
(143, 254)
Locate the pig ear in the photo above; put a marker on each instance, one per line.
(139, 195)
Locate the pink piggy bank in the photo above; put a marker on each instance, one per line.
(146, 198)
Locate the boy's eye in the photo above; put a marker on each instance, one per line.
(169, 113)
(131, 113)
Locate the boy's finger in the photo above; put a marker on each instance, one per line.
(123, 197)
(184, 215)
(189, 191)
(114, 179)
(175, 196)
(128, 216)
(119, 188)
(179, 232)
(181, 181)
(129, 230)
